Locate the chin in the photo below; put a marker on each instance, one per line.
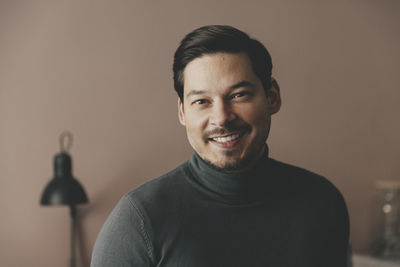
(228, 165)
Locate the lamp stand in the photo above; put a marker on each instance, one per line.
(73, 227)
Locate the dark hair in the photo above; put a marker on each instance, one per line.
(220, 38)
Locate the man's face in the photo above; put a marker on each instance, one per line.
(225, 110)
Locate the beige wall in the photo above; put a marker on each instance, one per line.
(102, 69)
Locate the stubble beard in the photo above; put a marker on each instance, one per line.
(238, 165)
(230, 164)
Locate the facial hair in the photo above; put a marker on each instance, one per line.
(230, 128)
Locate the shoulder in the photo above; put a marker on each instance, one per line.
(318, 202)
(289, 169)
(160, 187)
(160, 196)
(126, 238)
(301, 178)
(309, 187)
(123, 239)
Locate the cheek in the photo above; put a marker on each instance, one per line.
(255, 117)
(194, 131)
(195, 125)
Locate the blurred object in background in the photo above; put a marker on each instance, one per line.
(64, 189)
(386, 221)
(368, 261)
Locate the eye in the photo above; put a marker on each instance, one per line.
(199, 102)
(239, 95)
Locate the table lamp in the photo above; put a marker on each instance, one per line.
(64, 189)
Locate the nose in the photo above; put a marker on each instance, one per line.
(221, 114)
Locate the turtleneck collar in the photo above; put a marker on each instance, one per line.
(232, 187)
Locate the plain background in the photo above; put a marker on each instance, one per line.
(103, 70)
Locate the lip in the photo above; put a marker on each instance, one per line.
(226, 144)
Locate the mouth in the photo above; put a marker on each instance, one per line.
(226, 141)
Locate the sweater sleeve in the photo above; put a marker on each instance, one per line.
(340, 230)
(123, 240)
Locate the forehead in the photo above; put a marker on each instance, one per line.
(218, 71)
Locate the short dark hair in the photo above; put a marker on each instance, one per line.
(221, 38)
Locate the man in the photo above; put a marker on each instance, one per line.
(230, 204)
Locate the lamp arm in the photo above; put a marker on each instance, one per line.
(73, 230)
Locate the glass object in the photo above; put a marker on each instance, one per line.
(386, 217)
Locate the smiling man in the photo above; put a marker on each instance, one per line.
(230, 204)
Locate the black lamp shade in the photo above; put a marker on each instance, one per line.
(63, 189)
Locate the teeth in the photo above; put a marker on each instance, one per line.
(226, 138)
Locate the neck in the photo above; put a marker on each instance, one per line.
(233, 186)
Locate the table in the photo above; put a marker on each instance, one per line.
(368, 261)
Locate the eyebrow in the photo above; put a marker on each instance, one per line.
(232, 87)
(195, 92)
(241, 84)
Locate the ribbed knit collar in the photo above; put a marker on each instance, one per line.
(237, 187)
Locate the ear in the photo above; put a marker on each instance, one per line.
(274, 97)
(181, 113)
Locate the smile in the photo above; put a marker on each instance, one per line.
(225, 139)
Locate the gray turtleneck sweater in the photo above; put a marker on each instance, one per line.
(275, 215)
